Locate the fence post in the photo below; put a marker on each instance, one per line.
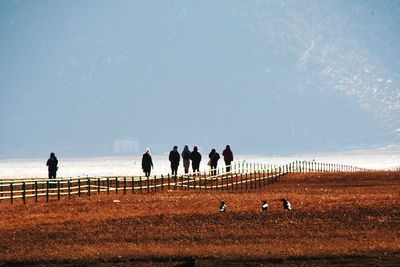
(23, 192)
(12, 193)
(47, 191)
(98, 185)
(148, 183)
(116, 185)
(251, 181)
(36, 192)
(141, 184)
(69, 188)
(175, 183)
(162, 182)
(88, 186)
(58, 190)
(108, 185)
(79, 187)
(263, 178)
(236, 179)
(181, 178)
(124, 185)
(133, 185)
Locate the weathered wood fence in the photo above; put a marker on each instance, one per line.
(242, 176)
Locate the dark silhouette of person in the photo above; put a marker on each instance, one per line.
(52, 163)
(195, 156)
(214, 157)
(174, 158)
(228, 157)
(147, 163)
(186, 158)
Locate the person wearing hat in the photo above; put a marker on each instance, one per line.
(228, 157)
(195, 156)
(52, 163)
(174, 158)
(186, 158)
(147, 162)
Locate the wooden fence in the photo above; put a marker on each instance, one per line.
(242, 176)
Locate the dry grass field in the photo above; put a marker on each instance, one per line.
(337, 219)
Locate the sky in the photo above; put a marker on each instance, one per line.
(85, 78)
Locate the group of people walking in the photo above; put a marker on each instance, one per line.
(187, 157)
(174, 158)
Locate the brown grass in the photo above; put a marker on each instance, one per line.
(343, 218)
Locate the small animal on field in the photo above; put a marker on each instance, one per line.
(222, 206)
(264, 206)
(286, 204)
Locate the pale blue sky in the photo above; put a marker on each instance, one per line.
(268, 77)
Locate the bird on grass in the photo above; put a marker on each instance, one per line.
(222, 206)
(264, 206)
(286, 204)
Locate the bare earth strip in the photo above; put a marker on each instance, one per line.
(337, 218)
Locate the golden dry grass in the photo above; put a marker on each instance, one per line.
(343, 218)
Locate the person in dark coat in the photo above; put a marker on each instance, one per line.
(174, 158)
(214, 157)
(228, 157)
(52, 163)
(196, 158)
(147, 163)
(186, 158)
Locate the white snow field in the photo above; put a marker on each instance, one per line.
(382, 159)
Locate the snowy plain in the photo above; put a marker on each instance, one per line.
(382, 159)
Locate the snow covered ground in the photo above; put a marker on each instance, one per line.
(387, 158)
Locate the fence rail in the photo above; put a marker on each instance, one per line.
(242, 176)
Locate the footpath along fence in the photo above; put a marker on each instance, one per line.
(242, 176)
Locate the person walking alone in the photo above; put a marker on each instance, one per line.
(147, 163)
(195, 156)
(228, 157)
(214, 157)
(52, 163)
(174, 158)
(186, 158)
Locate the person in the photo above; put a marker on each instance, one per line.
(174, 158)
(195, 156)
(52, 163)
(147, 163)
(228, 157)
(214, 157)
(186, 158)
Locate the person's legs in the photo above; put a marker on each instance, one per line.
(195, 168)
(214, 170)
(228, 166)
(174, 170)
